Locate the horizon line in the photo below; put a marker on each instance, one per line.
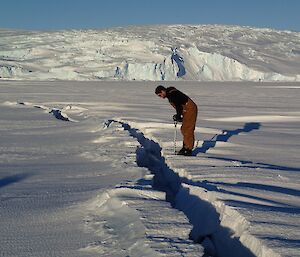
(145, 25)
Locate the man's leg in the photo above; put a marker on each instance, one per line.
(188, 124)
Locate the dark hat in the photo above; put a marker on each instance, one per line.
(159, 89)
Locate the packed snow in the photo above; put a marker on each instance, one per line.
(173, 52)
(88, 169)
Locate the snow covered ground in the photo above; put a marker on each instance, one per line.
(173, 52)
(87, 169)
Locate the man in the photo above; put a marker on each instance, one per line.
(186, 112)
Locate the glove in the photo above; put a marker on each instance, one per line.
(177, 118)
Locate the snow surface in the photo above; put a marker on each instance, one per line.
(173, 52)
(87, 169)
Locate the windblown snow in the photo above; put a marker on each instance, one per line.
(173, 52)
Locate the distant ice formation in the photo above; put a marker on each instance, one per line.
(155, 53)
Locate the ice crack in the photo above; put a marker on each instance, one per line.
(206, 218)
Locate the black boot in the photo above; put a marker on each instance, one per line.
(181, 151)
(188, 152)
(185, 152)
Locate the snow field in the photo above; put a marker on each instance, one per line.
(233, 195)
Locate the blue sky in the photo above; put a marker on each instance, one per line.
(82, 14)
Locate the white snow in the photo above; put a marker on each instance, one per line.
(173, 52)
(110, 185)
(87, 164)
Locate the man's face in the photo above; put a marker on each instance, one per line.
(162, 94)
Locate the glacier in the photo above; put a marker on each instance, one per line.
(153, 53)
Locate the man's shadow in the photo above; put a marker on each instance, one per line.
(224, 137)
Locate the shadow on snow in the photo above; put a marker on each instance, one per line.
(224, 137)
(12, 179)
